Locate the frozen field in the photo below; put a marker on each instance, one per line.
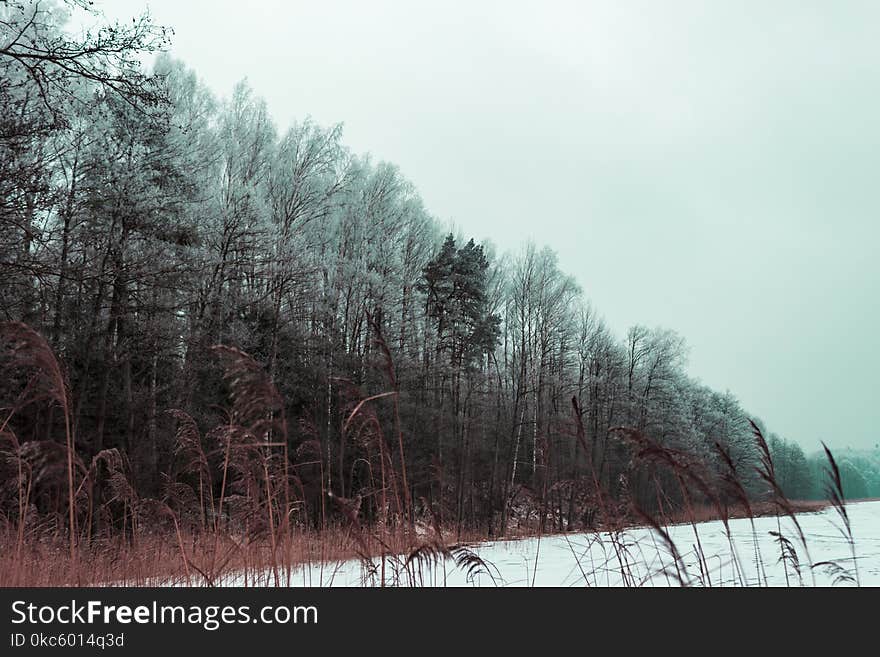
(639, 557)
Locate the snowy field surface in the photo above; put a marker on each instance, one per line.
(640, 557)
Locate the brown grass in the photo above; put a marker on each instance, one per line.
(708, 513)
(210, 558)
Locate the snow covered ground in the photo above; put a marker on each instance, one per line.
(640, 557)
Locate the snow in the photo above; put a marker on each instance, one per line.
(640, 557)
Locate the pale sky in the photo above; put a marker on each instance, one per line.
(707, 166)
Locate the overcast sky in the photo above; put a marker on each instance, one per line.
(706, 166)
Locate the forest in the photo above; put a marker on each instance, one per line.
(217, 321)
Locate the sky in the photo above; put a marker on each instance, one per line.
(709, 167)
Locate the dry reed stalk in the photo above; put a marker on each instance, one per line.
(26, 350)
(835, 494)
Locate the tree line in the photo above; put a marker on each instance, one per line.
(144, 221)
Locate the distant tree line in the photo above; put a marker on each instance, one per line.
(143, 221)
(804, 477)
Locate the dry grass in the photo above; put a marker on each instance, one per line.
(210, 559)
(708, 513)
